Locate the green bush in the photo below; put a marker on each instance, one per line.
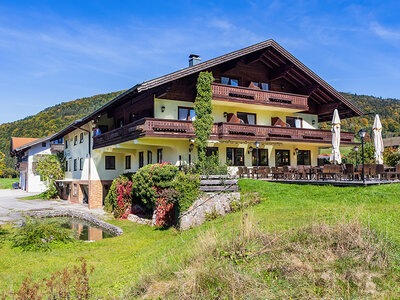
(187, 186)
(110, 202)
(393, 158)
(150, 180)
(211, 165)
(40, 234)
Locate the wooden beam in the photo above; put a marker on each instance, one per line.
(298, 73)
(327, 108)
(280, 72)
(271, 60)
(308, 90)
(318, 96)
(276, 57)
(300, 83)
(293, 82)
(265, 62)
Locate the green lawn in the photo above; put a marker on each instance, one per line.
(121, 260)
(6, 183)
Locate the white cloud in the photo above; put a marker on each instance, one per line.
(385, 33)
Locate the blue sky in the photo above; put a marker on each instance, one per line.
(56, 51)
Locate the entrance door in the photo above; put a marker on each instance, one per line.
(85, 193)
(282, 158)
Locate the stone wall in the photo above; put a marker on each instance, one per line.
(207, 204)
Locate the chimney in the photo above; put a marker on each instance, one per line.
(194, 59)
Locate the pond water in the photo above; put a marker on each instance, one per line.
(84, 230)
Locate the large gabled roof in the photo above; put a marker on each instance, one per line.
(150, 84)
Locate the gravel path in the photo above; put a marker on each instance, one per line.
(11, 207)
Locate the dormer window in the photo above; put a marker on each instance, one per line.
(230, 81)
(261, 85)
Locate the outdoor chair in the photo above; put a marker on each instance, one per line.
(393, 174)
(349, 171)
(301, 172)
(246, 172)
(240, 172)
(379, 171)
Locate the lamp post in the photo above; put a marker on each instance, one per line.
(356, 150)
(362, 133)
(257, 144)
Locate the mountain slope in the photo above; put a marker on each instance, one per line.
(50, 120)
(55, 118)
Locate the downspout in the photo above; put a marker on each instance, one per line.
(90, 154)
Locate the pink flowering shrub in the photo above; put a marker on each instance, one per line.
(124, 198)
(165, 213)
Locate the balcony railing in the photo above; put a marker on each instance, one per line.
(255, 96)
(220, 131)
(56, 148)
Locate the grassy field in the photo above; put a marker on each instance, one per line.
(121, 261)
(6, 183)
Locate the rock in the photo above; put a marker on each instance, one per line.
(207, 204)
(139, 220)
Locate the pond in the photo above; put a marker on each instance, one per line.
(84, 230)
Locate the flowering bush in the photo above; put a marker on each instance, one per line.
(165, 213)
(124, 198)
(119, 198)
(149, 181)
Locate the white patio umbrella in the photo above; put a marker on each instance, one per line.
(378, 142)
(335, 155)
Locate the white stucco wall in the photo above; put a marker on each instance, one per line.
(34, 184)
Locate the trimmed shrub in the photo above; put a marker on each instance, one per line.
(187, 187)
(149, 181)
(111, 201)
(40, 234)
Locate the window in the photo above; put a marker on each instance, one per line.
(247, 118)
(141, 159)
(149, 157)
(294, 122)
(66, 144)
(230, 81)
(110, 162)
(127, 162)
(75, 192)
(81, 164)
(211, 151)
(262, 157)
(103, 129)
(120, 123)
(75, 164)
(75, 140)
(70, 165)
(159, 156)
(44, 144)
(190, 159)
(186, 113)
(66, 166)
(304, 157)
(81, 138)
(235, 156)
(262, 85)
(282, 158)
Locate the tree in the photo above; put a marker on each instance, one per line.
(203, 108)
(50, 169)
(2, 163)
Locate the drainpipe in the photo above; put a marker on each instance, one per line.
(90, 152)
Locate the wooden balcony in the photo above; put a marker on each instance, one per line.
(224, 92)
(221, 131)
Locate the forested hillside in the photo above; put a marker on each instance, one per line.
(50, 120)
(388, 110)
(55, 118)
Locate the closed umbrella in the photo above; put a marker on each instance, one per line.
(378, 142)
(335, 155)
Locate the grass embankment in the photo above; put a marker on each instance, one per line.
(6, 183)
(130, 264)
